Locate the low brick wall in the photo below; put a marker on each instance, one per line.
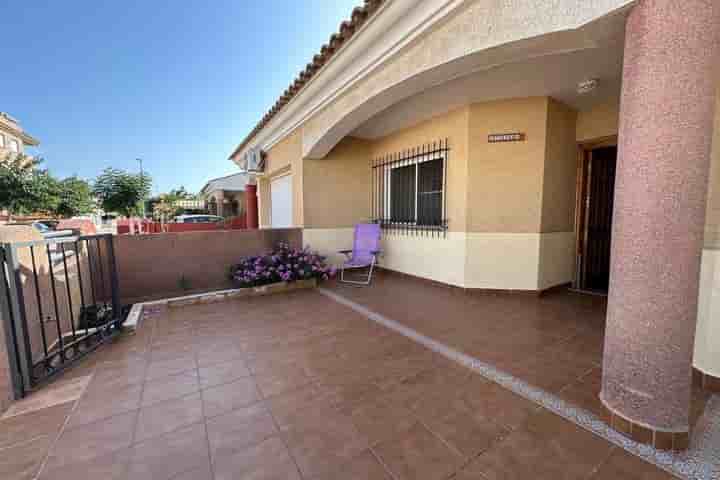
(172, 264)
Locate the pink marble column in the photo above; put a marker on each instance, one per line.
(666, 119)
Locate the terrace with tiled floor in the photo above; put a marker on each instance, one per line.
(298, 386)
(554, 342)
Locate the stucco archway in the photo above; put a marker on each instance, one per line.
(435, 62)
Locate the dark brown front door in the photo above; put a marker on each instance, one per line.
(595, 235)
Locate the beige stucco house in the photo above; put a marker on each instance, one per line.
(225, 196)
(484, 136)
(13, 139)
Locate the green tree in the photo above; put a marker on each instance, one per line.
(165, 204)
(75, 197)
(181, 194)
(121, 191)
(24, 188)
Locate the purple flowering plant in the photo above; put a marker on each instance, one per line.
(284, 264)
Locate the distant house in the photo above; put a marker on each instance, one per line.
(225, 196)
(13, 139)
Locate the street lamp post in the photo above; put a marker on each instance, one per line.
(142, 181)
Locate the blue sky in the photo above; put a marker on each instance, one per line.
(178, 83)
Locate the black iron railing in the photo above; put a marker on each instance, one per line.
(58, 302)
(409, 190)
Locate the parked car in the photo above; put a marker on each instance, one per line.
(198, 219)
(47, 232)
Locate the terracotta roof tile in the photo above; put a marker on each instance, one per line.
(346, 30)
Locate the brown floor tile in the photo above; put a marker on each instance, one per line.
(547, 447)
(288, 407)
(221, 373)
(91, 441)
(279, 381)
(350, 389)
(239, 428)
(174, 366)
(322, 441)
(211, 354)
(202, 473)
(167, 416)
(165, 457)
(172, 351)
(418, 455)
(118, 375)
(167, 388)
(378, 420)
(102, 404)
(585, 392)
(268, 460)
(61, 391)
(22, 428)
(490, 400)
(547, 372)
(228, 397)
(113, 466)
(363, 467)
(468, 434)
(622, 465)
(23, 461)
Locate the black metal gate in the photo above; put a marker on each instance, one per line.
(58, 302)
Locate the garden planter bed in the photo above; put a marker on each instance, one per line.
(279, 287)
(139, 310)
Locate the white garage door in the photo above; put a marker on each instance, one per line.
(281, 202)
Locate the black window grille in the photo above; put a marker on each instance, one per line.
(410, 189)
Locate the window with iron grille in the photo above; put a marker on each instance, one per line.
(410, 189)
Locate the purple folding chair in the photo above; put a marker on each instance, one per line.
(366, 248)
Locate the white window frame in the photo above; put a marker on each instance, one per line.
(14, 141)
(414, 162)
(3, 141)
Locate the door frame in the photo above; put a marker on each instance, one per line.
(585, 150)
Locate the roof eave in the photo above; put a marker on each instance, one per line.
(347, 30)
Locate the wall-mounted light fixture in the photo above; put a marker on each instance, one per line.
(587, 86)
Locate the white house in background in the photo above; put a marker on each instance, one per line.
(225, 196)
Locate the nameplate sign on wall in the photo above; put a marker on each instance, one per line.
(506, 137)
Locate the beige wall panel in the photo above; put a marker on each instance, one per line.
(707, 336)
(282, 154)
(329, 242)
(556, 259)
(599, 122)
(502, 261)
(454, 127)
(263, 194)
(298, 175)
(505, 179)
(560, 174)
(712, 223)
(441, 258)
(337, 189)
